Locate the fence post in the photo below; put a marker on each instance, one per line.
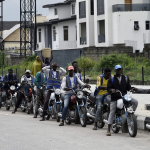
(102, 71)
(84, 75)
(2, 72)
(143, 75)
(122, 70)
(16, 72)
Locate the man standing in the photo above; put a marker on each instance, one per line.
(121, 83)
(40, 82)
(70, 81)
(53, 80)
(101, 92)
(76, 70)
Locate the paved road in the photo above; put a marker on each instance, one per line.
(21, 132)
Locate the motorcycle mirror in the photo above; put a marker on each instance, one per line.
(87, 81)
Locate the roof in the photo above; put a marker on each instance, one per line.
(7, 25)
(67, 2)
(56, 21)
(2, 0)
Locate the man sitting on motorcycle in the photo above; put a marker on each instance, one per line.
(53, 80)
(26, 80)
(121, 83)
(10, 79)
(70, 81)
(101, 92)
(40, 82)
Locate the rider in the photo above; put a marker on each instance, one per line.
(70, 81)
(26, 80)
(10, 79)
(101, 92)
(77, 71)
(121, 83)
(53, 80)
(40, 81)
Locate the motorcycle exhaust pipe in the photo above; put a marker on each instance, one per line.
(60, 115)
(40, 110)
(90, 116)
(148, 126)
(105, 121)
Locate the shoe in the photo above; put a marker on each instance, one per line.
(42, 119)
(61, 124)
(13, 112)
(35, 116)
(108, 134)
(95, 128)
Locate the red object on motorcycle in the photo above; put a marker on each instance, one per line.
(8, 92)
(73, 99)
(30, 92)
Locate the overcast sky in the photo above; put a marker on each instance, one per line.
(12, 8)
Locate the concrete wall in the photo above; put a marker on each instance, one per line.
(64, 57)
(42, 43)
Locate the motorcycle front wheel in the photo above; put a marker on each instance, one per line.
(132, 125)
(7, 107)
(83, 117)
(57, 111)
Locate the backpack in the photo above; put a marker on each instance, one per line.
(97, 90)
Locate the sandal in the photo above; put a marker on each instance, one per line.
(108, 134)
(95, 128)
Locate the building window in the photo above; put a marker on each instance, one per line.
(55, 11)
(54, 34)
(82, 9)
(100, 7)
(65, 33)
(147, 25)
(73, 9)
(136, 25)
(39, 35)
(92, 7)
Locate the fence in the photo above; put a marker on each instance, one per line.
(138, 75)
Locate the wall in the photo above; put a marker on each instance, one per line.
(123, 29)
(64, 57)
(51, 14)
(64, 11)
(42, 43)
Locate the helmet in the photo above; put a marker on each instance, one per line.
(73, 99)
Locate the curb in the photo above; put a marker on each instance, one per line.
(143, 123)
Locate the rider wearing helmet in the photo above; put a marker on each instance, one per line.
(121, 83)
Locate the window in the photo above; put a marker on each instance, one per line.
(54, 34)
(39, 35)
(82, 9)
(147, 25)
(136, 25)
(55, 10)
(92, 7)
(128, 1)
(65, 33)
(73, 9)
(100, 7)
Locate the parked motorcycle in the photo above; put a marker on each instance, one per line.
(124, 117)
(76, 109)
(54, 105)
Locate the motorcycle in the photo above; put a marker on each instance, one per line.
(77, 109)
(124, 117)
(54, 105)
(27, 106)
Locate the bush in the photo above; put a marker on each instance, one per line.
(86, 62)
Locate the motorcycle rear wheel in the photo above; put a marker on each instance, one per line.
(115, 129)
(83, 117)
(7, 107)
(132, 125)
(68, 121)
(101, 124)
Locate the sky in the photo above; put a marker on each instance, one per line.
(12, 8)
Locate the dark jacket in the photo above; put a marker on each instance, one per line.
(123, 87)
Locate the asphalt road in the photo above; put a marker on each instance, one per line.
(21, 132)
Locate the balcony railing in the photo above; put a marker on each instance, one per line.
(83, 41)
(131, 7)
(82, 14)
(101, 38)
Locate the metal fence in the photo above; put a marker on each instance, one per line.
(138, 75)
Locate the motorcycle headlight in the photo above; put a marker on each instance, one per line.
(80, 95)
(12, 88)
(57, 91)
(128, 97)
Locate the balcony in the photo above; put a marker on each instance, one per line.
(101, 38)
(131, 7)
(83, 41)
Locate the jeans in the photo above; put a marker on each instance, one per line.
(113, 107)
(26, 90)
(66, 104)
(99, 99)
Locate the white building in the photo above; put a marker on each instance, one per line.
(100, 23)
